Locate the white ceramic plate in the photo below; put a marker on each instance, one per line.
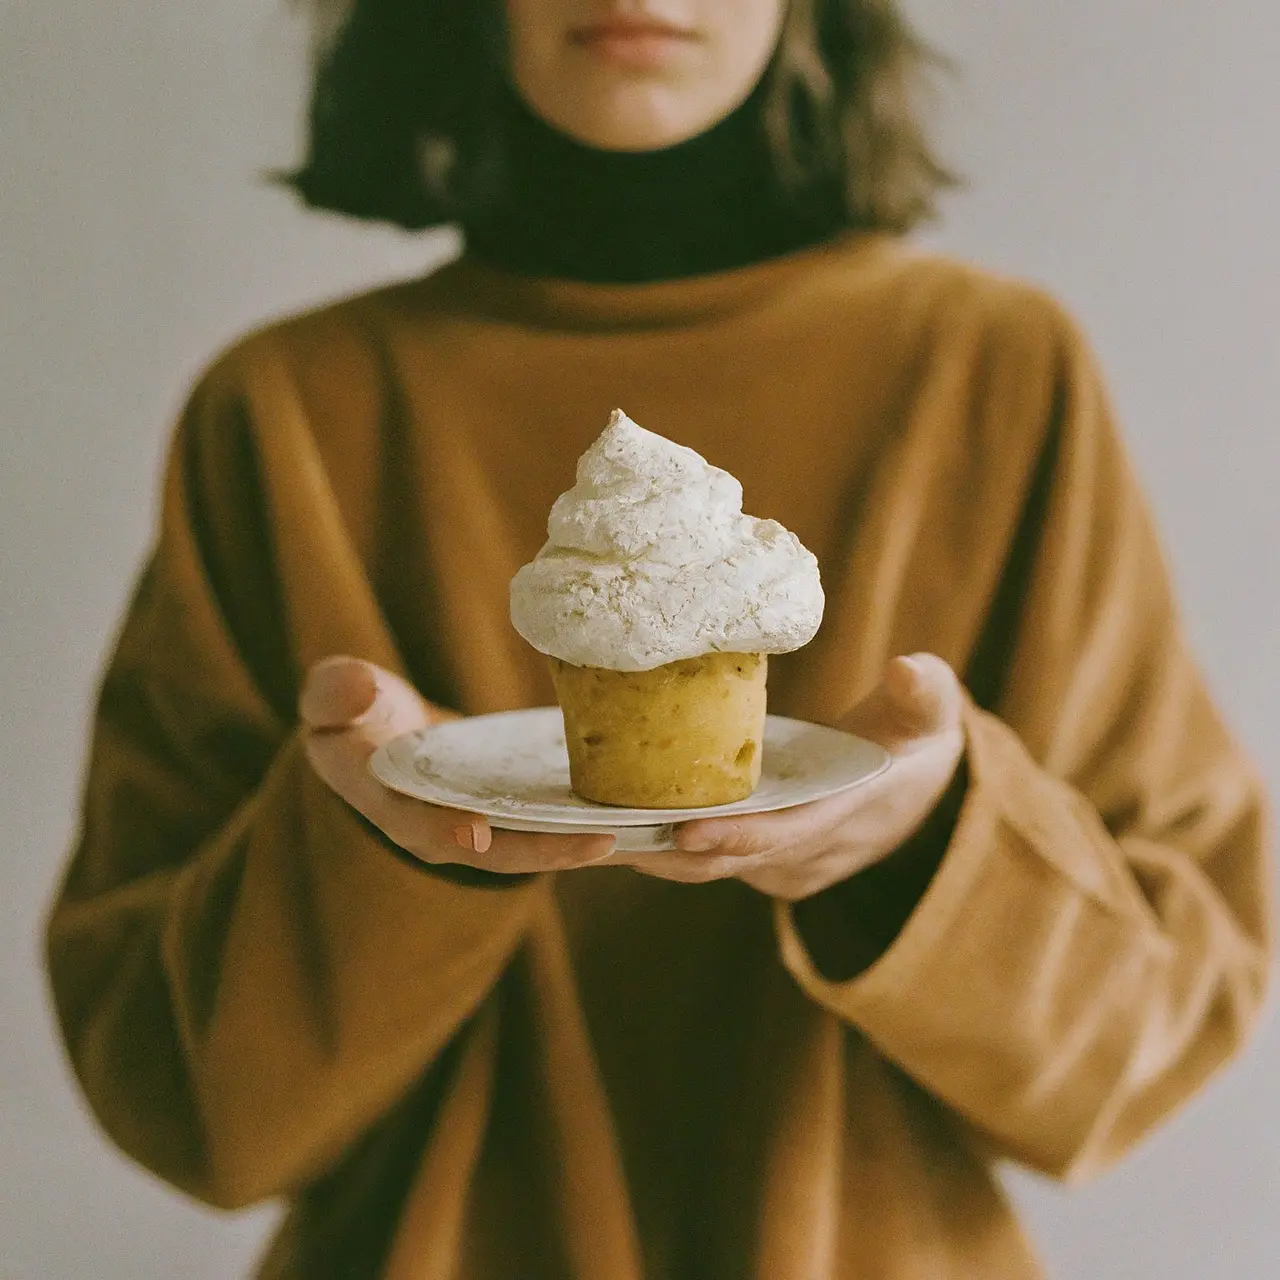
(513, 768)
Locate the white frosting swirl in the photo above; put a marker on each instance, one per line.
(649, 559)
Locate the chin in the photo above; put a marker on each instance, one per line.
(638, 140)
(636, 118)
(629, 128)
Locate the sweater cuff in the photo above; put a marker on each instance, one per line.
(1020, 837)
(849, 926)
(385, 940)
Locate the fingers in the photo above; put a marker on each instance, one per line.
(349, 709)
(915, 713)
(761, 833)
(521, 852)
(928, 690)
(435, 834)
(337, 692)
(917, 697)
(346, 693)
(682, 868)
(440, 836)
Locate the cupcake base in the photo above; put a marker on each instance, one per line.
(684, 735)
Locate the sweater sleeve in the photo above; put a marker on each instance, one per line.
(245, 977)
(1095, 939)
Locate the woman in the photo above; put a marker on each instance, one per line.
(795, 1047)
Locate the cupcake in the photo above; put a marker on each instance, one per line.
(657, 603)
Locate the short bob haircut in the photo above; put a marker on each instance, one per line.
(403, 125)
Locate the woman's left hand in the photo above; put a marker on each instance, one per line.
(915, 714)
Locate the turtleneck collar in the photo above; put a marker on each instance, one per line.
(573, 212)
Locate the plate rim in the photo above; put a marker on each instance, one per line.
(607, 815)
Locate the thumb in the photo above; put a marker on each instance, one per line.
(917, 697)
(346, 693)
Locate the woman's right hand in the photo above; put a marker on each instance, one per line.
(349, 709)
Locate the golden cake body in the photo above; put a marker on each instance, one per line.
(657, 603)
(686, 734)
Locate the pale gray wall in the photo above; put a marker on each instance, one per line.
(1125, 152)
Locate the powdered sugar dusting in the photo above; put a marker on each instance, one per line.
(650, 559)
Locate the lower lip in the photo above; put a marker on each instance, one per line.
(638, 51)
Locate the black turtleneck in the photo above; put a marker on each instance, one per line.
(575, 212)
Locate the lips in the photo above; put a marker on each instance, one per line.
(636, 41)
(630, 29)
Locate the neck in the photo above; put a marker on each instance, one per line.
(710, 204)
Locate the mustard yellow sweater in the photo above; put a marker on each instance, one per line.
(600, 1075)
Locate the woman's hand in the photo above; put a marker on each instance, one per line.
(349, 709)
(914, 713)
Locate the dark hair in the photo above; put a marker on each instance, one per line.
(403, 125)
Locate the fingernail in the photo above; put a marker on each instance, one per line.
(379, 713)
(909, 688)
(334, 694)
(475, 836)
